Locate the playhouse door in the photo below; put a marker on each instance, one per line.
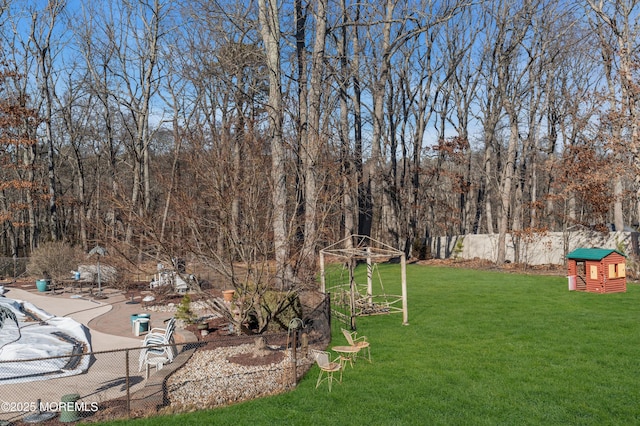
(581, 275)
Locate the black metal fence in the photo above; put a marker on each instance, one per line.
(203, 374)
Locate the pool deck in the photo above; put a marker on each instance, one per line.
(110, 316)
(109, 321)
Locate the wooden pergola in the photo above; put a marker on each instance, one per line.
(356, 248)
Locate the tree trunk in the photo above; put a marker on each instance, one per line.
(505, 190)
(363, 199)
(315, 138)
(377, 171)
(303, 115)
(270, 31)
(349, 183)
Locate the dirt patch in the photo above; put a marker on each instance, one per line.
(164, 295)
(218, 334)
(216, 327)
(486, 265)
(248, 359)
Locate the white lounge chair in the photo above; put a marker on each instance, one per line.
(163, 334)
(158, 347)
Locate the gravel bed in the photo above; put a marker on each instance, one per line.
(211, 378)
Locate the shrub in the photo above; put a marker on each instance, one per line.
(54, 260)
(282, 307)
(184, 311)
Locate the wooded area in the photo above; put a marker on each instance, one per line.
(249, 130)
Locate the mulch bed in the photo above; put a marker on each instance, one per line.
(486, 265)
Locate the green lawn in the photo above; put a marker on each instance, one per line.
(482, 348)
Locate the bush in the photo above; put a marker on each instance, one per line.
(184, 311)
(54, 260)
(281, 319)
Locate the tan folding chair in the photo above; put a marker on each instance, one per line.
(327, 367)
(357, 342)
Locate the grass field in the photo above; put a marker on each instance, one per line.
(482, 348)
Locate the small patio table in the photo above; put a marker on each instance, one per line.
(346, 353)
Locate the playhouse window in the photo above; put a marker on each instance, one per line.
(617, 270)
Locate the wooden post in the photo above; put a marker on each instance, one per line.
(323, 284)
(352, 294)
(403, 272)
(369, 278)
(294, 355)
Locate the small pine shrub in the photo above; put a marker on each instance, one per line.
(184, 312)
(457, 251)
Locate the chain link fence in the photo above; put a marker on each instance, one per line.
(13, 267)
(205, 373)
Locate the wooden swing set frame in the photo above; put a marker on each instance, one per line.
(363, 302)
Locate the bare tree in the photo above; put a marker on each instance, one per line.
(512, 25)
(270, 32)
(316, 139)
(348, 161)
(43, 25)
(436, 118)
(615, 24)
(17, 156)
(23, 126)
(132, 32)
(98, 57)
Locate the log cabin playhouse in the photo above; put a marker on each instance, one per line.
(597, 270)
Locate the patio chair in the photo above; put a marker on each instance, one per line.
(152, 342)
(162, 335)
(327, 367)
(156, 353)
(171, 326)
(154, 357)
(357, 342)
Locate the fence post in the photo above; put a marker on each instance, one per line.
(327, 309)
(294, 355)
(126, 363)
